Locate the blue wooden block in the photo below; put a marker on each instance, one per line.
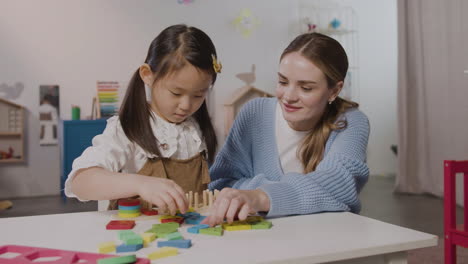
(136, 207)
(194, 220)
(176, 243)
(196, 229)
(128, 248)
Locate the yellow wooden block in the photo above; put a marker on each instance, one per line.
(129, 215)
(163, 253)
(236, 227)
(148, 237)
(106, 247)
(168, 217)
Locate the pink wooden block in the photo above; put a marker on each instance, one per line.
(28, 254)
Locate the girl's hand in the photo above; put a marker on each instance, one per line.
(163, 193)
(232, 203)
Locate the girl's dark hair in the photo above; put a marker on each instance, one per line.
(330, 57)
(169, 52)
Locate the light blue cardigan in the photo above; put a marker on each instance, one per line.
(249, 160)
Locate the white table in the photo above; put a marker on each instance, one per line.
(318, 238)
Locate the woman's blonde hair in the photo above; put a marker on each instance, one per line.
(330, 57)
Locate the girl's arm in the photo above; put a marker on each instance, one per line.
(95, 174)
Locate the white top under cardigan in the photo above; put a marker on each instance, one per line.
(112, 150)
(288, 140)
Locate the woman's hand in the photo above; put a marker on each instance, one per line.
(233, 203)
(163, 193)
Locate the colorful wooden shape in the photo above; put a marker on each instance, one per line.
(128, 248)
(187, 243)
(129, 202)
(253, 218)
(106, 247)
(122, 215)
(26, 254)
(213, 231)
(163, 253)
(120, 224)
(148, 237)
(149, 212)
(173, 236)
(179, 220)
(135, 211)
(234, 227)
(118, 260)
(136, 207)
(133, 240)
(196, 229)
(262, 225)
(122, 234)
(194, 220)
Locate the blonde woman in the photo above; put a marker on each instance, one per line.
(302, 152)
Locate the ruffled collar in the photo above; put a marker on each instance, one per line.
(168, 135)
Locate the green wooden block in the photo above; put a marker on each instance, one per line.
(213, 231)
(133, 240)
(167, 225)
(173, 236)
(125, 233)
(262, 225)
(129, 211)
(118, 260)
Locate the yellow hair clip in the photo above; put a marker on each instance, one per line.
(217, 66)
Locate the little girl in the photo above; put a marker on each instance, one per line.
(157, 150)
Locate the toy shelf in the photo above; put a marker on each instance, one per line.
(11, 132)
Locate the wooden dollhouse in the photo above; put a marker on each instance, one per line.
(11, 132)
(234, 104)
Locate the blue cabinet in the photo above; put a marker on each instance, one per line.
(77, 136)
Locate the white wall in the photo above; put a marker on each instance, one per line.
(75, 43)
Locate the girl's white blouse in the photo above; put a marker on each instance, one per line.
(112, 150)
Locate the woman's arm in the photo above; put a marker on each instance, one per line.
(335, 184)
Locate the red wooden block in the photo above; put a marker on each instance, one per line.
(129, 202)
(149, 212)
(120, 224)
(179, 220)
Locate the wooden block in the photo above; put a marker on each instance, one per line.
(163, 253)
(253, 218)
(129, 215)
(136, 207)
(129, 202)
(125, 233)
(133, 240)
(262, 225)
(149, 212)
(120, 224)
(196, 229)
(173, 236)
(106, 247)
(194, 220)
(128, 248)
(187, 243)
(190, 199)
(212, 231)
(148, 237)
(179, 220)
(118, 260)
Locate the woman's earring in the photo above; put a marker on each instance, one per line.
(330, 102)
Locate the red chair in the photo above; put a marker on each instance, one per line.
(454, 236)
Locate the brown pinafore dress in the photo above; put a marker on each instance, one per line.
(191, 174)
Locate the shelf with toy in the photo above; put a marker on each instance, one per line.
(11, 132)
